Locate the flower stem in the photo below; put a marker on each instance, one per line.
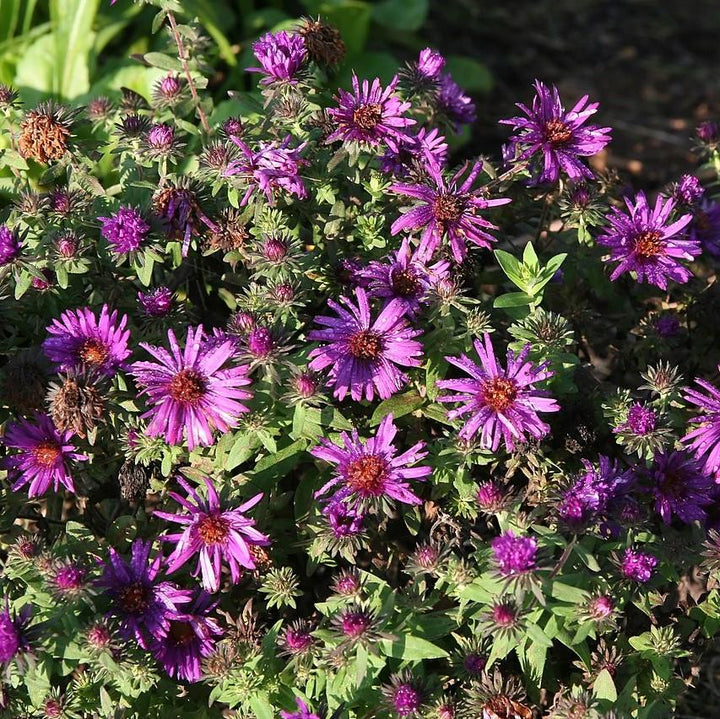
(183, 57)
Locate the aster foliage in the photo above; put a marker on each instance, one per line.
(305, 414)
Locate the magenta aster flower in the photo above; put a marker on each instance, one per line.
(644, 241)
(281, 55)
(344, 519)
(704, 440)
(421, 151)
(364, 354)
(638, 566)
(680, 486)
(213, 532)
(190, 637)
(275, 166)
(125, 230)
(369, 114)
(369, 471)
(502, 404)
(514, 555)
(13, 638)
(687, 190)
(640, 420)
(43, 457)
(430, 63)
(143, 606)
(10, 245)
(188, 392)
(447, 209)
(403, 696)
(81, 341)
(302, 713)
(404, 279)
(557, 136)
(453, 103)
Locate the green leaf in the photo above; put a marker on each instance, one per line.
(512, 267)
(164, 62)
(604, 686)
(241, 450)
(411, 648)
(530, 258)
(469, 74)
(407, 15)
(298, 446)
(512, 299)
(398, 405)
(568, 593)
(261, 705)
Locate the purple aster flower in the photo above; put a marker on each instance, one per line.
(643, 242)
(281, 55)
(188, 392)
(43, 457)
(160, 140)
(345, 520)
(403, 696)
(430, 63)
(213, 532)
(640, 420)
(143, 606)
(667, 326)
(557, 136)
(503, 404)
(273, 167)
(454, 104)
(10, 245)
(81, 341)
(681, 486)
(705, 226)
(190, 637)
(68, 580)
(638, 566)
(490, 496)
(156, 302)
(447, 209)
(368, 471)
(708, 132)
(704, 440)
(593, 490)
(369, 114)
(422, 151)
(404, 279)
(125, 230)
(13, 637)
(687, 190)
(514, 555)
(296, 639)
(178, 208)
(302, 713)
(365, 355)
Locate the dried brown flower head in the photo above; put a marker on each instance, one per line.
(44, 133)
(324, 43)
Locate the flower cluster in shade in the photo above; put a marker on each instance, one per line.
(190, 391)
(649, 241)
(556, 138)
(501, 405)
(448, 210)
(363, 355)
(214, 533)
(592, 492)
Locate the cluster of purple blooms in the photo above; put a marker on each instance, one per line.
(366, 348)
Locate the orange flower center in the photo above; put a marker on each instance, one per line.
(367, 117)
(648, 244)
(187, 386)
(213, 529)
(557, 133)
(499, 393)
(46, 453)
(93, 352)
(366, 475)
(134, 598)
(365, 345)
